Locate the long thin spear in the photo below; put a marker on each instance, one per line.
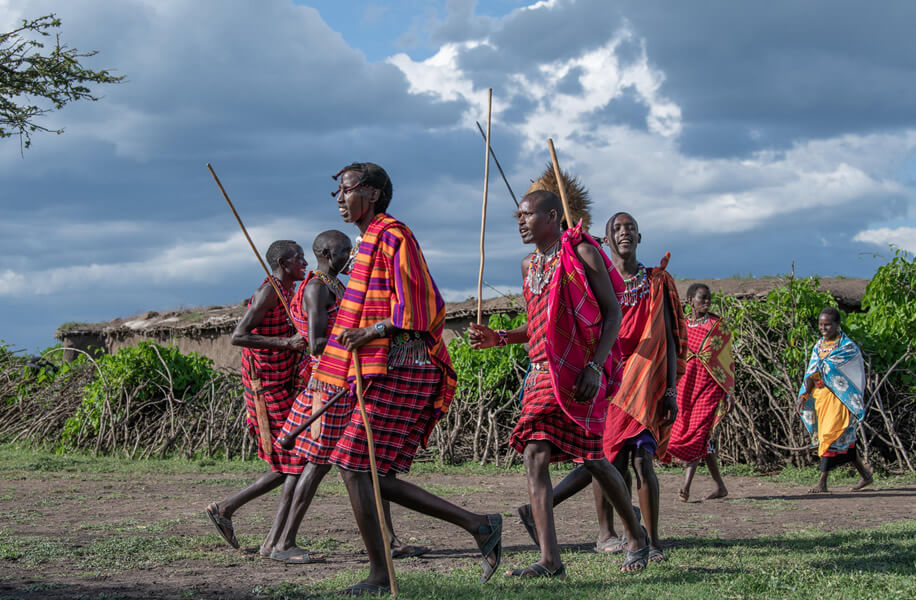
(560, 182)
(253, 249)
(483, 215)
(376, 486)
(496, 160)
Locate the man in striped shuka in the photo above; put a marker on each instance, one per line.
(391, 318)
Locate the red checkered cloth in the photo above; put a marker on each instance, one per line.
(699, 397)
(542, 416)
(576, 326)
(333, 422)
(275, 369)
(542, 419)
(301, 322)
(400, 409)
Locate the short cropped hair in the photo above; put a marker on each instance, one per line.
(831, 312)
(374, 176)
(281, 249)
(696, 287)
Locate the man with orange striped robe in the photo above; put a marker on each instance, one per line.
(391, 318)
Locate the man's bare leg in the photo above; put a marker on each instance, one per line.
(647, 489)
(684, 493)
(362, 500)
(282, 515)
(306, 486)
(615, 492)
(713, 465)
(540, 495)
(606, 534)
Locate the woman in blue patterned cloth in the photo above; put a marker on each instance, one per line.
(831, 399)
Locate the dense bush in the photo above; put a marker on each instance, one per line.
(152, 400)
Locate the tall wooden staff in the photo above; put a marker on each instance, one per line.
(253, 249)
(561, 185)
(483, 215)
(376, 486)
(260, 406)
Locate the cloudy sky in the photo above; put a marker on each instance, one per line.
(744, 137)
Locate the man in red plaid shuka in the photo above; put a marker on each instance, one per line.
(573, 319)
(270, 353)
(391, 318)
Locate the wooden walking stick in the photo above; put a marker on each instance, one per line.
(253, 249)
(260, 406)
(483, 215)
(289, 440)
(498, 166)
(561, 185)
(376, 486)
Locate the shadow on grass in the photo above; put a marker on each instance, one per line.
(884, 493)
(871, 551)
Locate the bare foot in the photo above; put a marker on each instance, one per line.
(862, 483)
(818, 489)
(684, 494)
(720, 492)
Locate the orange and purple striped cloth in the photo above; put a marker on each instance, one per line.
(643, 342)
(390, 279)
(575, 326)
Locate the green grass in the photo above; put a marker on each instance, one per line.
(811, 564)
(852, 564)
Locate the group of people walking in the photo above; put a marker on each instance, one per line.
(618, 377)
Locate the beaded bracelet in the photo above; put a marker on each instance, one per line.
(502, 337)
(671, 393)
(595, 367)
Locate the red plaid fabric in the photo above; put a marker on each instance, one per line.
(698, 398)
(400, 409)
(301, 322)
(278, 401)
(271, 366)
(333, 422)
(542, 419)
(575, 327)
(542, 416)
(275, 369)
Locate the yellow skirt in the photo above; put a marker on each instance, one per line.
(832, 418)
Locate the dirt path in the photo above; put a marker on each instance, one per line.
(66, 510)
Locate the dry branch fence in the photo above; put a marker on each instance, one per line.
(761, 431)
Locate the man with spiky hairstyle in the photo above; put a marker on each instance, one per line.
(270, 351)
(573, 320)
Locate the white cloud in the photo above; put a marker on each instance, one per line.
(901, 237)
(198, 263)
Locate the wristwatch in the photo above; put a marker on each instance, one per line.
(380, 328)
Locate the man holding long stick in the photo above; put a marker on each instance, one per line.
(392, 318)
(270, 351)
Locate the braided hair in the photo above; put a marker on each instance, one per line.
(374, 176)
(281, 249)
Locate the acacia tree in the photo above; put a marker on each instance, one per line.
(35, 81)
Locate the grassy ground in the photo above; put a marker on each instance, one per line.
(93, 556)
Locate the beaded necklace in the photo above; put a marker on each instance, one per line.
(334, 284)
(542, 267)
(824, 346)
(697, 322)
(636, 286)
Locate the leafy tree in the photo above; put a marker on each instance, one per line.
(28, 77)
